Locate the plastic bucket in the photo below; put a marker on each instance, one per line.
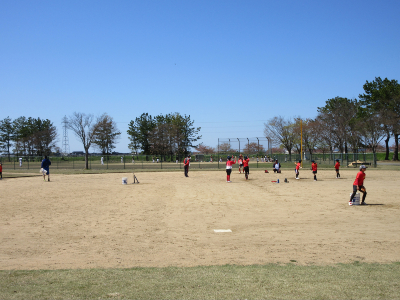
(356, 199)
(124, 180)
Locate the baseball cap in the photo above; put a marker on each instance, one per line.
(363, 167)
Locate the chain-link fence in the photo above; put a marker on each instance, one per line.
(198, 161)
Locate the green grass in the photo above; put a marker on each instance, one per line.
(273, 281)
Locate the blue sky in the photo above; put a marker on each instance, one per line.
(230, 65)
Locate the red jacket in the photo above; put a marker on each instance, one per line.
(314, 166)
(229, 164)
(246, 162)
(359, 178)
(186, 161)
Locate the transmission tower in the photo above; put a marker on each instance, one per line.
(65, 143)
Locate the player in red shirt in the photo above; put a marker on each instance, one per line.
(314, 168)
(359, 185)
(296, 170)
(229, 164)
(246, 167)
(240, 162)
(186, 164)
(337, 166)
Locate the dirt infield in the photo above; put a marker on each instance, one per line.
(93, 221)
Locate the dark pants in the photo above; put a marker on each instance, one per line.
(246, 171)
(355, 192)
(186, 170)
(277, 170)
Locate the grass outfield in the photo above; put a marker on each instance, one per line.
(273, 281)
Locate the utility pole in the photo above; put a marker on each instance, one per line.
(65, 143)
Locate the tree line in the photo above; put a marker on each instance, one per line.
(345, 124)
(170, 134)
(164, 135)
(27, 136)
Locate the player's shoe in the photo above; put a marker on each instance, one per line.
(297, 178)
(363, 203)
(350, 203)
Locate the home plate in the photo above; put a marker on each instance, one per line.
(222, 230)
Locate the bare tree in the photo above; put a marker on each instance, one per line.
(106, 134)
(225, 147)
(372, 131)
(281, 132)
(84, 128)
(203, 149)
(253, 148)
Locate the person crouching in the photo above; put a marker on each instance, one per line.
(277, 167)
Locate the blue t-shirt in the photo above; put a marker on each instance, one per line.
(46, 163)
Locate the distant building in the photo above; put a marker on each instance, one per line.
(77, 153)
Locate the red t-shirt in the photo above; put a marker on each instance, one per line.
(229, 164)
(186, 162)
(314, 166)
(298, 166)
(246, 162)
(337, 165)
(1, 168)
(359, 178)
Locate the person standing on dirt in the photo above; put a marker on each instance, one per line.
(186, 164)
(246, 167)
(240, 162)
(298, 167)
(1, 171)
(46, 168)
(359, 185)
(229, 164)
(337, 166)
(314, 168)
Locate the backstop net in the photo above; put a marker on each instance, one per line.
(255, 146)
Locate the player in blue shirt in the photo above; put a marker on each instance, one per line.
(45, 166)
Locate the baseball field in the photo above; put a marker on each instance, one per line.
(169, 222)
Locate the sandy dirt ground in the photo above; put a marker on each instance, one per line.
(93, 221)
